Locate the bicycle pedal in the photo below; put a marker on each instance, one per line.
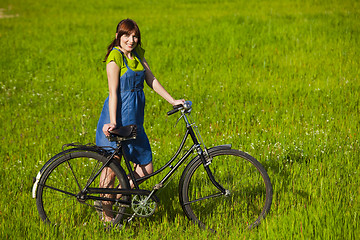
(130, 218)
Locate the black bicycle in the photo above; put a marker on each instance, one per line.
(218, 183)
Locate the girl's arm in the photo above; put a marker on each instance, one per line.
(113, 71)
(155, 84)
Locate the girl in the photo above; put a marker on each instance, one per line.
(127, 69)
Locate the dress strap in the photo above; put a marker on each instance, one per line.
(137, 56)
(122, 54)
(125, 58)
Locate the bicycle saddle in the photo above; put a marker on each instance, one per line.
(125, 131)
(122, 133)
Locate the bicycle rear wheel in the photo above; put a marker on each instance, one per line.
(59, 199)
(249, 198)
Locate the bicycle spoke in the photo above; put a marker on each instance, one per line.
(59, 190)
(204, 198)
(95, 169)
(72, 171)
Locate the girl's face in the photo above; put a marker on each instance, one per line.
(128, 42)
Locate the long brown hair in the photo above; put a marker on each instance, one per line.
(126, 26)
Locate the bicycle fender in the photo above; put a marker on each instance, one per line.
(36, 182)
(213, 149)
(220, 147)
(47, 164)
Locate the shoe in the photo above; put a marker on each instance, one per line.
(99, 209)
(108, 226)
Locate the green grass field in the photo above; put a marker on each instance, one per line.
(277, 79)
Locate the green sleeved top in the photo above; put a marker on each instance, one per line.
(134, 64)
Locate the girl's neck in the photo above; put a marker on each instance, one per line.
(126, 53)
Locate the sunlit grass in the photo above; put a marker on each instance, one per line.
(276, 79)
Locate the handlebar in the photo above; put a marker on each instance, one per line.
(186, 106)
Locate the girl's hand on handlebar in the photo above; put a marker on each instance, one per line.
(107, 128)
(178, 102)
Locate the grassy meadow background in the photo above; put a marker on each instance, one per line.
(277, 79)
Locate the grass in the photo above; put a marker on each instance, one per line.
(277, 79)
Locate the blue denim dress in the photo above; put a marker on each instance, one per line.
(130, 110)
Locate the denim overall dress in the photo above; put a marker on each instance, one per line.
(130, 110)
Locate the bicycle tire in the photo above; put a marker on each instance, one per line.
(64, 178)
(246, 179)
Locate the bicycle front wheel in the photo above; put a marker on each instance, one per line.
(247, 199)
(60, 198)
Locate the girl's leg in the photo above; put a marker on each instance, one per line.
(141, 171)
(107, 179)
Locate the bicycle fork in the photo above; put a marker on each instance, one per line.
(206, 163)
(195, 135)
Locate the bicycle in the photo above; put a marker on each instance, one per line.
(218, 183)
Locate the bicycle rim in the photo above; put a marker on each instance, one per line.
(57, 195)
(250, 192)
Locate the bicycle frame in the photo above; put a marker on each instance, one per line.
(202, 153)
